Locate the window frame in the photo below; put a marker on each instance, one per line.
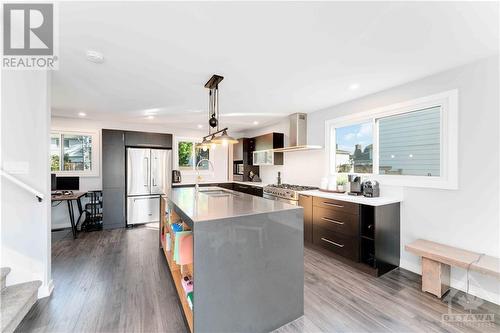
(95, 162)
(193, 169)
(448, 103)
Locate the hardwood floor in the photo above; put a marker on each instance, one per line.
(118, 281)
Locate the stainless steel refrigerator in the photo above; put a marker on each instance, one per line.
(148, 177)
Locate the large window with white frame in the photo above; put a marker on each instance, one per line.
(188, 155)
(74, 153)
(413, 143)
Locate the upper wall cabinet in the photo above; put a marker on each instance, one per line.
(264, 145)
(144, 139)
(238, 150)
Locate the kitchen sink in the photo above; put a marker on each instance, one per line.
(215, 192)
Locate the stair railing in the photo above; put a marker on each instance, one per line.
(39, 195)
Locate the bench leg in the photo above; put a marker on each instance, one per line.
(435, 277)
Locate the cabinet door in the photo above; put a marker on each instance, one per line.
(113, 159)
(238, 151)
(341, 244)
(305, 201)
(337, 221)
(258, 191)
(145, 139)
(228, 186)
(113, 208)
(242, 188)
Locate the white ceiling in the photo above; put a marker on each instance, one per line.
(277, 58)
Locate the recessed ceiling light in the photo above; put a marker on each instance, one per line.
(150, 117)
(82, 114)
(200, 126)
(354, 86)
(95, 57)
(255, 122)
(153, 111)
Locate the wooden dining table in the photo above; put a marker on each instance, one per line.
(69, 198)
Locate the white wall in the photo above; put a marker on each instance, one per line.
(60, 217)
(468, 217)
(301, 167)
(25, 223)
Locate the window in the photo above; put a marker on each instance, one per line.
(354, 148)
(411, 144)
(189, 155)
(74, 153)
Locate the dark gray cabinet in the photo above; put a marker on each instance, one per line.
(113, 179)
(306, 201)
(151, 140)
(263, 154)
(369, 236)
(113, 208)
(248, 189)
(114, 143)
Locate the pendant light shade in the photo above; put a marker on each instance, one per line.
(224, 139)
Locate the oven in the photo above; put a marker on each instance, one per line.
(288, 201)
(238, 168)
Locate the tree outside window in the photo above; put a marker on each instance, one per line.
(189, 156)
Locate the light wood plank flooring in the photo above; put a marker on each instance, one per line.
(117, 281)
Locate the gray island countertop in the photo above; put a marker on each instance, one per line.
(206, 204)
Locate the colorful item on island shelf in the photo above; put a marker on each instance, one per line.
(176, 227)
(168, 242)
(187, 284)
(185, 250)
(177, 240)
(190, 298)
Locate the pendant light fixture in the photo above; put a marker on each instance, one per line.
(213, 117)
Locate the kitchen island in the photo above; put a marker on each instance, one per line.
(246, 260)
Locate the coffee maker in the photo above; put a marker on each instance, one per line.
(355, 185)
(176, 176)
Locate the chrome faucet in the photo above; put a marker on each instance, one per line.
(196, 186)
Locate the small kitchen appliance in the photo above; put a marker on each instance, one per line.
(355, 185)
(176, 176)
(371, 188)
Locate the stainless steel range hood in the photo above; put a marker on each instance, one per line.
(298, 135)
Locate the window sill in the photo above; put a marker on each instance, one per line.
(76, 173)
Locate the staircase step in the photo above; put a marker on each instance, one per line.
(16, 301)
(4, 271)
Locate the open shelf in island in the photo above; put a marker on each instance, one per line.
(176, 271)
(243, 246)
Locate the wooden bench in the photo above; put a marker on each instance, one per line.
(438, 258)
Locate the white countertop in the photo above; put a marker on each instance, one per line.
(257, 184)
(379, 201)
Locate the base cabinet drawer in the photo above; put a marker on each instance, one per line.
(337, 205)
(346, 246)
(337, 221)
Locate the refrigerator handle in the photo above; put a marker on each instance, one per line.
(146, 182)
(154, 172)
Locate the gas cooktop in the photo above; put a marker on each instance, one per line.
(287, 191)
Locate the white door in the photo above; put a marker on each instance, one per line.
(143, 209)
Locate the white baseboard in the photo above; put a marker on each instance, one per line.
(46, 290)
